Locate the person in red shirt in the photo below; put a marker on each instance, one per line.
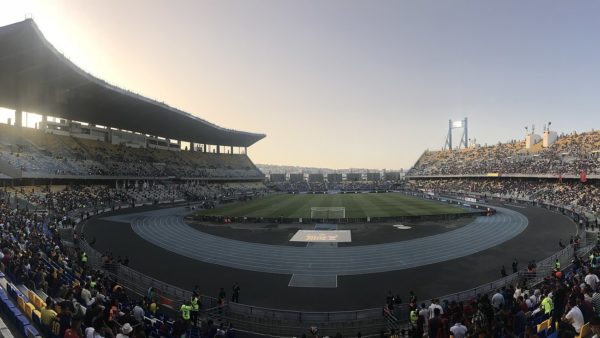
(75, 330)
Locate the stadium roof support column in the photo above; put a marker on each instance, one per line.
(18, 118)
(448, 144)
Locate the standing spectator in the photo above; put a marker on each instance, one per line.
(75, 330)
(497, 300)
(435, 324)
(434, 305)
(592, 280)
(235, 294)
(222, 296)
(458, 329)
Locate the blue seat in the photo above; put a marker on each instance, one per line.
(9, 306)
(13, 312)
(11, 291)
(24, 291)
(553, 335)
(21, 322)
(3, 304)
(31, 331)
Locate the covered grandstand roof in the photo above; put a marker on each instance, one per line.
(37, 78)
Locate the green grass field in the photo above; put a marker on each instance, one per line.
(357, 205)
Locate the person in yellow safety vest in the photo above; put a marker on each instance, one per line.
(547, 305)
(84, 258)
(195, 302)
(557, 265)
(414, 317)
(185, 313)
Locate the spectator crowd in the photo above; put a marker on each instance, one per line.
(568, 156)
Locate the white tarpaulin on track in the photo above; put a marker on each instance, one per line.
(329, 236)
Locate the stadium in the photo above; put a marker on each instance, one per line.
(125, 215)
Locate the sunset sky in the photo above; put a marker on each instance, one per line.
(347, 83)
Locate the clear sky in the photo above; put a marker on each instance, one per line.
(343, 83)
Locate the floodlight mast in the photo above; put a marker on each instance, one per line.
(464, 139)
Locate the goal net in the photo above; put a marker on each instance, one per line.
(327, 212)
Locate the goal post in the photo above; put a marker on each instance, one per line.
(327, 212)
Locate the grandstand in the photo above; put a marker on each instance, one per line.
(117, 142)
(569, 155)
(95, 204)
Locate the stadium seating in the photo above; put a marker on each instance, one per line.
(570, 154)
(38, 154)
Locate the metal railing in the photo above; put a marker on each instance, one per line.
(292, 323)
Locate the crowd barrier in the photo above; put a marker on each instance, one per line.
(368, 321)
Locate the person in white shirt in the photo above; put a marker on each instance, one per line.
(592, 280)
(458, 330)
(434, 305)
(574, 316)
(86, 294)
(424, 312)
(535, 298)
(138, 313)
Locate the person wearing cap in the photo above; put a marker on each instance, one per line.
(126, 331)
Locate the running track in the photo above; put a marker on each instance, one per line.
(166, 228)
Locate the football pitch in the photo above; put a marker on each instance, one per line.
(357, 206)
